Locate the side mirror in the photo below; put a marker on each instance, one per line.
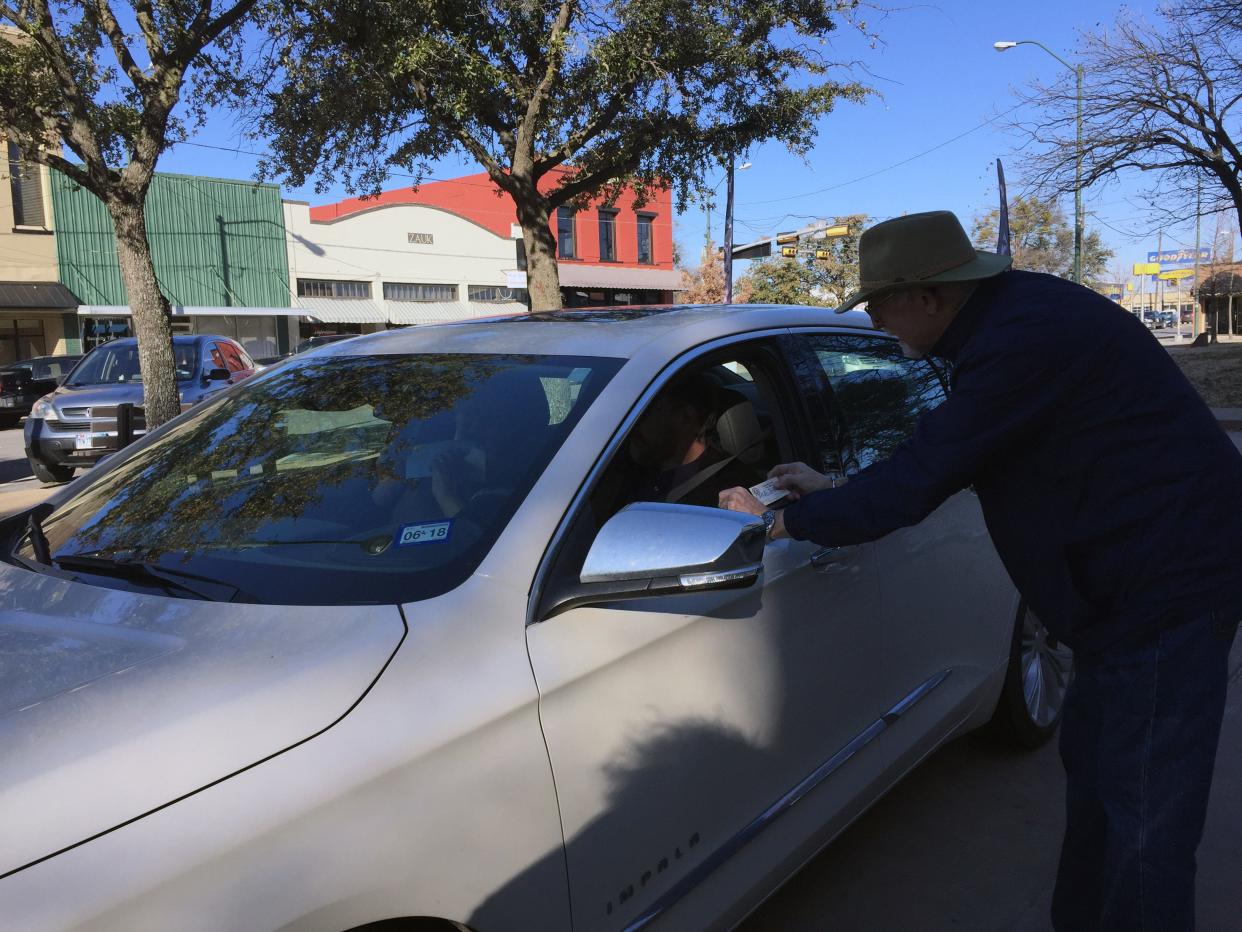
(652, 548)
(215, 375)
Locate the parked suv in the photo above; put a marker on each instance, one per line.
(76, 425)
(24, 382)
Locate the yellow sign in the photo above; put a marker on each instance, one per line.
(1177, 274)
(786, 237)
(839, 230)
(1147, 268)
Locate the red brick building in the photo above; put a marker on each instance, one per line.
(606, 255)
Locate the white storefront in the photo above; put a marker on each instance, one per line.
(398, 265)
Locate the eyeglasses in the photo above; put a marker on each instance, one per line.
(873, 306)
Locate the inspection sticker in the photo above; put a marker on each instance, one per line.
(767, 492)
(436, 532)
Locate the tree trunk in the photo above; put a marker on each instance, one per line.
(543, 280)
(150, 309)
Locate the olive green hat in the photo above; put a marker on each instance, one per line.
(917, 250)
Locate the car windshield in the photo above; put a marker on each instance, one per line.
(114, 364)
(343, 480)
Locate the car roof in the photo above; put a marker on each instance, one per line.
(182, 338)
(604, 331)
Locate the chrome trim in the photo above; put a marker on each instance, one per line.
(651, 539)
(695, 580)
(904, 706)
(749, 832)
(662, 378)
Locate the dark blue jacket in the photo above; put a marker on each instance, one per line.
(1112, 495)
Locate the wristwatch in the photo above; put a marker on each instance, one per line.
(769, 522)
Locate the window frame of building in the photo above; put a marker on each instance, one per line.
(646, 221)
(419, 292)
(607, 219)
(566, 233)
(495, 294)
(26, 188)
(333, 288)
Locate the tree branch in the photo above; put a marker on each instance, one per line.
(116, 38)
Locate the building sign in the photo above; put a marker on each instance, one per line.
(1170, 258)
(515, 279)
(420, 239)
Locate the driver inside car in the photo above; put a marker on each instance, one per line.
(675, 448)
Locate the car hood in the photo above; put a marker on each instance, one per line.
(114, 703)
(86, 395)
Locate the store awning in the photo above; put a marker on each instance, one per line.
(47, 295)
(603, 276)
(123, 310)
(341, 310)
(427, 312)
(494, 308)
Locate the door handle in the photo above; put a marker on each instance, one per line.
(827, 556)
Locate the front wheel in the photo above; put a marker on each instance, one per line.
(49, 473)
(1039, 675)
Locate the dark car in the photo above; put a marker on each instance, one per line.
(25, 382)
(76, 424)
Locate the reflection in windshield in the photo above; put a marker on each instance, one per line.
(117, 363)
(354, 479)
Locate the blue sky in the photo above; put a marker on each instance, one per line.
(937, 77)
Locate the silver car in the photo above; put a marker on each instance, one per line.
(407, 630)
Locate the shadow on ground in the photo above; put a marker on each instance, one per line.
(969, 842)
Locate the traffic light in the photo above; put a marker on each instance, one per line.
(789, 252)
(822, 254)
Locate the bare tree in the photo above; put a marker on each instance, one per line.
(71, 72)
(1162, 99)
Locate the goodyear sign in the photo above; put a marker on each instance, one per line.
(1174, 258)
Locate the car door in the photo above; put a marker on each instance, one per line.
(680, 729)
(946, 601)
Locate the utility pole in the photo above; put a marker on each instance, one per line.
(1159, 296)
(1194, 317)
(728, 236)
(1078, 186)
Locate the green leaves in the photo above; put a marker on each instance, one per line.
(651, 90)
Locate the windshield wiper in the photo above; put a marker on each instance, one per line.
(202, 588)
(38, 540)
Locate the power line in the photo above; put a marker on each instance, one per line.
(880, 171)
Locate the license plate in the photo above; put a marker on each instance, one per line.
(8, 402)
(88, 441)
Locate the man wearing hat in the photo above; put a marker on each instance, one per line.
(1115, 501)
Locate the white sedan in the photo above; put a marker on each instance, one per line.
(433, 626)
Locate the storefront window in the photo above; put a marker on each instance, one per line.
(99, 330)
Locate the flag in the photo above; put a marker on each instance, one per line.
(1002, 233)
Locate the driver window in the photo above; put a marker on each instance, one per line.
(712, 427)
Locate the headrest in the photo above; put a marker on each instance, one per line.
(738, 428)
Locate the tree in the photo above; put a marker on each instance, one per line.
(705, 285)
(838, 274)
(71, 73)
(558, 100)
(1042, 240)
(1160, 99)
(784, 281)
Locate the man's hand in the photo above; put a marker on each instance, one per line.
(740, 499)
(799, 479)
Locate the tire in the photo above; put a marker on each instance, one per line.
(48, 473)
(1033, 697)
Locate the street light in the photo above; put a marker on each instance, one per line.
(1077, 69)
